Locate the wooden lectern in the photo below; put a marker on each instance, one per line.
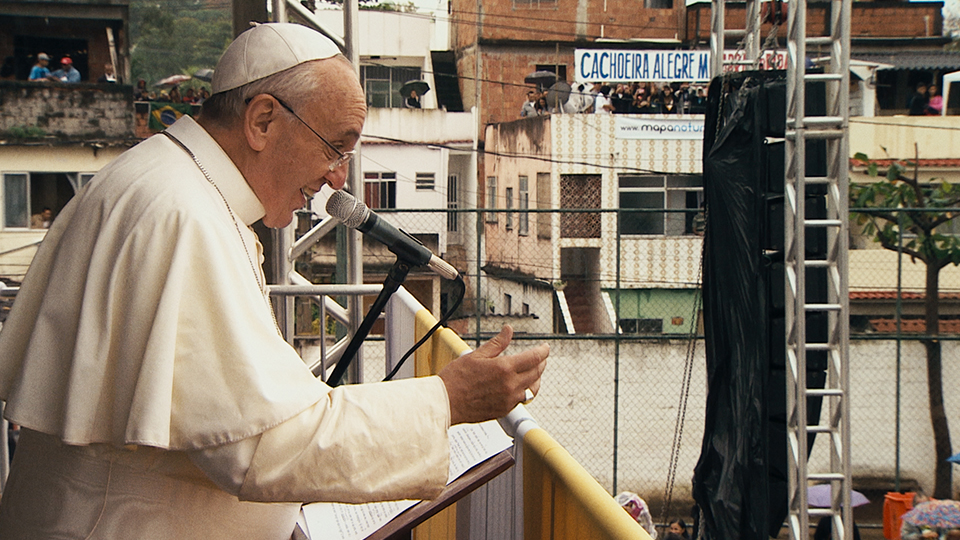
(400, 527)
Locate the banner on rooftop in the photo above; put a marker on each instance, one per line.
(608, 65)
(646, 127)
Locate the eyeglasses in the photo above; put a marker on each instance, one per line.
(342, 157)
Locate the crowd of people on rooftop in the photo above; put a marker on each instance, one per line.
(173, 94)
(68, 74)
(623, 98)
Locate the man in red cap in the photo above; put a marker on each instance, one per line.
(67, 73)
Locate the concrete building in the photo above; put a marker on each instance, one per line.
(597, 162)
(54, 137)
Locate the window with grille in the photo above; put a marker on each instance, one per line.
(641, 195)
(453, 188)
(641, 326)
(523, 226)
(491, 198)
(580, 192)
(380, 189)
(508, 199)
(425, 181)
(381, 84)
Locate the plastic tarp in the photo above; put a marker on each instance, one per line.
(730, 479)
(740, 481)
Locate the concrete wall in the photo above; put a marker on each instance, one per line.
(576, 406)
(75, 112)
(505, 248)
(646, 261)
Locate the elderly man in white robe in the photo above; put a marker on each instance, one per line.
(156, 397)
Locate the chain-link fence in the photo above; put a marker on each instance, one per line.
(629, 405)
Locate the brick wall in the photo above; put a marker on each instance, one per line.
(69, 112)
(561, 20)
(869, 19)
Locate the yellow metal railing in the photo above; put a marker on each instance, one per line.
(561, 501)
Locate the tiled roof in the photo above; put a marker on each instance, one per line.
(892, 295)
(913, 326)
(944, 60)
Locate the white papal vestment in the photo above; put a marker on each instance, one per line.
(142, 360)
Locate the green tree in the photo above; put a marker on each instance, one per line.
(908, 215)
(170, 37)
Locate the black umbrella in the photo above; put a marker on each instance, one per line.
(542, 79)
(205, 74)
(420, 87)
(558, 95)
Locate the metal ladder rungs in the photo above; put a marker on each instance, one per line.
(818, 346)
(817, 77)
(817, 264)
(819, 512)
(823, 223)
(820, 121)
(822, 134)
(824, 392)
(819, 429)
(825, 477)
(822, 307)
(819, 40)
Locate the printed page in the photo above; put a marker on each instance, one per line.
(470, 444)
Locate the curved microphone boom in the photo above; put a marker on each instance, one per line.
(354, 214)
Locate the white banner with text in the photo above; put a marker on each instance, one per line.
(658, 128)
(607, 65)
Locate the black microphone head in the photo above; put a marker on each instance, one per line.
(347, 209)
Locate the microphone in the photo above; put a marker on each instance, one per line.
(354, 214)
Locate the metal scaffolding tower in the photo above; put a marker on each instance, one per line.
(812, 60)
(830, 67)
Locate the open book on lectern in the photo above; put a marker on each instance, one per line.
(470, 445)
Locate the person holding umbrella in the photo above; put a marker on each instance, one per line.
(411, 92)
(821, 496)
(931, 518)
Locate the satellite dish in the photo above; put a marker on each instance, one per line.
(558, 95)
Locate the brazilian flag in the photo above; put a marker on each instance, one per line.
(163, 115)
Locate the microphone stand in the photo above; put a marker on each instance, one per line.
(395, 277)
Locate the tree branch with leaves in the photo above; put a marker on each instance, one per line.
(906, 215)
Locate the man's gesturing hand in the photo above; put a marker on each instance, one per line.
(483, 385)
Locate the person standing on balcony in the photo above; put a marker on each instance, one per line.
(529, 107)
(67, 73)
(412, 101)
(109, 76)
(917, 106)
(602, 103)
(157, 397)
(39, 71)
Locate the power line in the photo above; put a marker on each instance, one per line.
(533, 157)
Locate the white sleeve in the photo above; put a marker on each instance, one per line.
(363, 443)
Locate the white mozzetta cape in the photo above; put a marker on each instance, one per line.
(141, 322)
